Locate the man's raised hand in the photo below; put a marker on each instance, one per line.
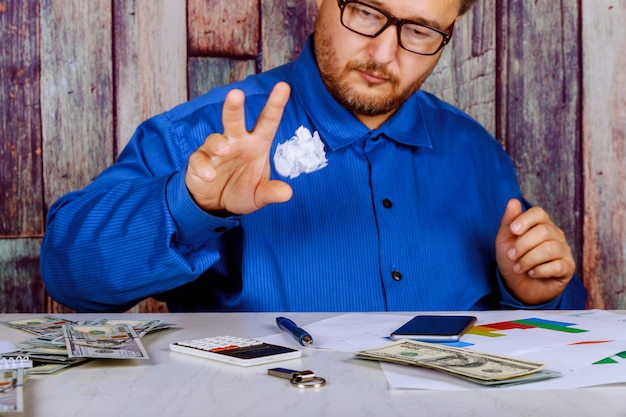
(231, 171)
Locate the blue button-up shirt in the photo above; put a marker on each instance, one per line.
(403, 217)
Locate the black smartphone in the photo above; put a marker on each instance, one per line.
(434, 328)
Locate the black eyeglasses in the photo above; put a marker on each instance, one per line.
(415, 37)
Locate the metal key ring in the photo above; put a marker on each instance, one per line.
(314, 382)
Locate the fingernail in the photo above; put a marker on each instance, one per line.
(531, 273)
(517, 268)
(511, 253)
(516, 227)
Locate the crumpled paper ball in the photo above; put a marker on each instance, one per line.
(303, 153)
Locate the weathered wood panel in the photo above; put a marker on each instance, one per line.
(76, 93)
(223, 27)
(604, 126)
(466, 73)
(21, 194)
(285, 27)
(207, 73)
(540, 108)
(150, 61)
(21, 288)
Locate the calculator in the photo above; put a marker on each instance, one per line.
(236, 350)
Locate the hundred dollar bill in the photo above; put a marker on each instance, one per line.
(103, 341)
(141, 327)
(49, 368)
(460, 362)
(11, 395)
(38, 325)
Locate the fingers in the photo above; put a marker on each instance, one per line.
(549, 259)
(539, 247)
(269, 119)
(199, 166)
(233, 117)
(562, 268)
(236, 135)
(273, 191)
(512, 211)
(525, 221)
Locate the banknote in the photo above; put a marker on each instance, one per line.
(141, 327)
(50, 368)
(525, 379)
(467, 363)
(48, 349)
(103, 341)
(38, 325)
(11, 394)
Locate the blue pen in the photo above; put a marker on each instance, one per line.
(301, 335)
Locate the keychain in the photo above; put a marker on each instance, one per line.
(298, 379)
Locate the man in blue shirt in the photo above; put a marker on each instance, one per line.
(328, 184)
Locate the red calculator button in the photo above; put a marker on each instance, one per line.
(231, 347)
(217, 349)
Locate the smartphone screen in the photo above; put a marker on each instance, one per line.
(434, 328)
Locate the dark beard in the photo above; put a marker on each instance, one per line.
(341, 90)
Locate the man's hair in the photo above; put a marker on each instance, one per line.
(466, 5)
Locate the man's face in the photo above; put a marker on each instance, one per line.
(372, 77)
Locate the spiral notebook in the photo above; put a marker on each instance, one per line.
(18, 362)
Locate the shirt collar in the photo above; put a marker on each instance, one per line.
(336, 125)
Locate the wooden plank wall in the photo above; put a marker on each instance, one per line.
(76, 78)
(21, 178)
(604, 151)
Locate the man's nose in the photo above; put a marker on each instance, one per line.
(383, 48)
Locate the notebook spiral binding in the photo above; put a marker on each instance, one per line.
(16, 363)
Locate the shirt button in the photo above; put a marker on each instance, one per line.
(396, 275)
(220, 229)
(387, 203)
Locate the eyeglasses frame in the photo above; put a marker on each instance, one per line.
(392, 20)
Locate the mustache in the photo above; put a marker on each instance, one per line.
(373, 67)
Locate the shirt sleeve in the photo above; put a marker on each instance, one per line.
(574, 297)
(132, 233)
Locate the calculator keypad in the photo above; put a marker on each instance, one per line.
(237, 350)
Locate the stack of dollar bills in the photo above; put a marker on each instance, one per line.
(61, 343)
(478, 367)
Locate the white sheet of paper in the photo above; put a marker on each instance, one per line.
(572, 354)
(6, 347)
(347, 332)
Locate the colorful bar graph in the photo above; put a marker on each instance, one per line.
(493, 329)
(552, 325)
(611, 360)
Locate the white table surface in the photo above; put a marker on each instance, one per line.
(174, 384)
